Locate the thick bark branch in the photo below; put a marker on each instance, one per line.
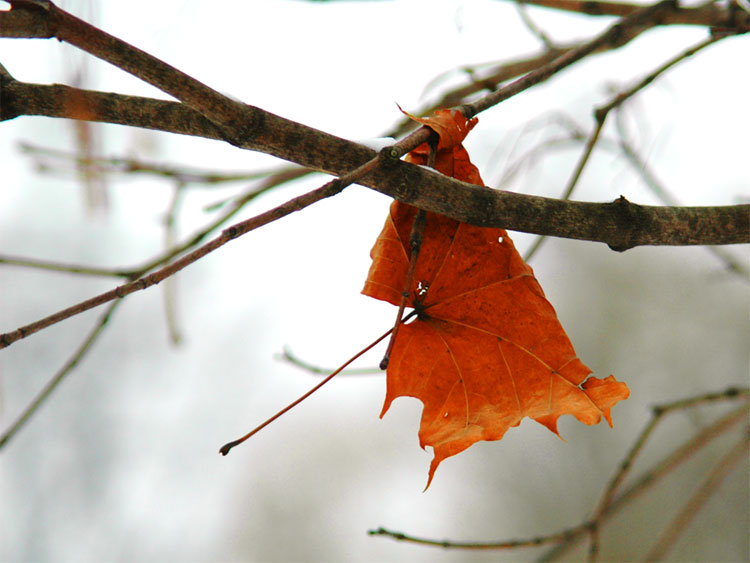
(208, 113)
(619, 224)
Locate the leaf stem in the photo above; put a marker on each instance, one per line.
(415, 244)
(224, 450)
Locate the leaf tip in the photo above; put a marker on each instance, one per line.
(433, 466)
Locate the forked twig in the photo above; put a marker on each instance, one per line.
(601, 113)
(714, 16)
(651, 477)
(659, 412)
(644, 18)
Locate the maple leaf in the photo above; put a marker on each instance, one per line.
(486, 348)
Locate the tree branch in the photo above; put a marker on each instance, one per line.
(711, 14)
(206, 112)
(620, 224)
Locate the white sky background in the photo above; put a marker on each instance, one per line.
(122, 463)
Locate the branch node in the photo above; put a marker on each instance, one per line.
(629, 221)
(391, 153)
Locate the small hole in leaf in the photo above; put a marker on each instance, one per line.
(500, 239)
(445, 415)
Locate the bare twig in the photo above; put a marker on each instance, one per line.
(121, 165)
(569, 537)
(698, 500)
(170, 307)
(659, 412)
(656, 473)
(511, 544)
(602, 112)
(392, 153)
(535, 30)
(47, 390)
(715, 16)
(54, 266)
(638, 20)
(288, 356)
(154, 278)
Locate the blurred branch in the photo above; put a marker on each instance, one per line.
(666, 197)
(121, 165)
(658, 414)
(602, 112)
(615, 36)
(60, 267)
(534, 29)
(170, 234)
(171, 252)
(656, 473)
(717, 17)
(158, 276)
(287, 356)
(327, 190)
(567, 538)
(722, 468)
(47, 390)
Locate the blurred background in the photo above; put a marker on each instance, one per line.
(121, 463)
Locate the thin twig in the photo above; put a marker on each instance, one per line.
(568, 537)
(709, 14)
(643, 18)
(535, 30)
(122, 165)
(392, 153)
(236, 205)
(659, 412)
(60, 267)
(656, 473)
(170, 308)
(510, 544)
(228, 234)
(602, 112)
(714, 16)
(172, 252)
(66, 369)
(698, 500)
(286, 355)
